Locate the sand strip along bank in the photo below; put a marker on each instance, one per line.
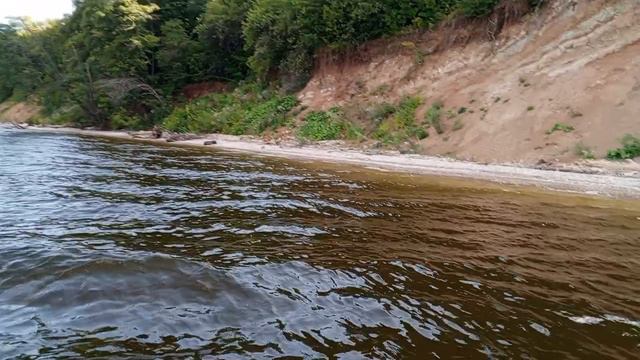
(604, 184)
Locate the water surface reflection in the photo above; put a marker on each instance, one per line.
(114, 249)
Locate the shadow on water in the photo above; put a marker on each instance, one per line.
(118, 249)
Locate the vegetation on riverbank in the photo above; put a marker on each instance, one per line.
(630, 149)
(246, 110)
(125, 63)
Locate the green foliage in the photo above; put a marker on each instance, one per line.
(238, 113)
(630, 149)
(112, 36)
(323, 125)
(382, 111)
(388, 135)
(282, 35)
(406, 111)
(121, 121)
(110, 58)
(421, 133)
(434, 115)
(477, 8)
(560, 127)
(267, 115)
(68, 116)
(221, 34)
(179, 57)
(187, 119)
(400, 124)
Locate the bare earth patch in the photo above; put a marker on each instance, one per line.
(574, 62)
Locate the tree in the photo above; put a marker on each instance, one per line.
(220, 31)
(180, 58)
(106, 40)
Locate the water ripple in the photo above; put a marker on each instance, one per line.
(113, 249)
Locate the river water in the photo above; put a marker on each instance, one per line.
(114, 249)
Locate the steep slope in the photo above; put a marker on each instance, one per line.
(574, 63)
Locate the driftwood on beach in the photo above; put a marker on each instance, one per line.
(181, 137)
(18, 126)
(159, 133)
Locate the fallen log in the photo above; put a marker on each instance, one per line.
(19, 126)
(181, 137)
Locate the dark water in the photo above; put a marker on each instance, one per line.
(123, 250)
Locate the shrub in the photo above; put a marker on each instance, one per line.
(353, 132)
(121, 121)
(270, 114)
(388, 135)
(421, 133)
(382, 111)
(560, 127)
(406, 112)
(477, 8)
(322, 125)
(400, 124)
(248, 110)
(282, 36)
(71, 115)
(433, 116)
(194, 117)
(530, 108)
(630, 149)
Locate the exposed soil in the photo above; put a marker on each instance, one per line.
(574, 62)
(20, 112)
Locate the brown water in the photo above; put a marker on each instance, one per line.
(125, 250)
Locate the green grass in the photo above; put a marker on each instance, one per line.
(630, 149)
(560, 127)
(434, 116)
(400, 125)
(406, 112)
(387, 134)
(421, 133)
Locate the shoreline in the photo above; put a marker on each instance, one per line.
(589, 180)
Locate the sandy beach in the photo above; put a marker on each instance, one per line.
(598, 178)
